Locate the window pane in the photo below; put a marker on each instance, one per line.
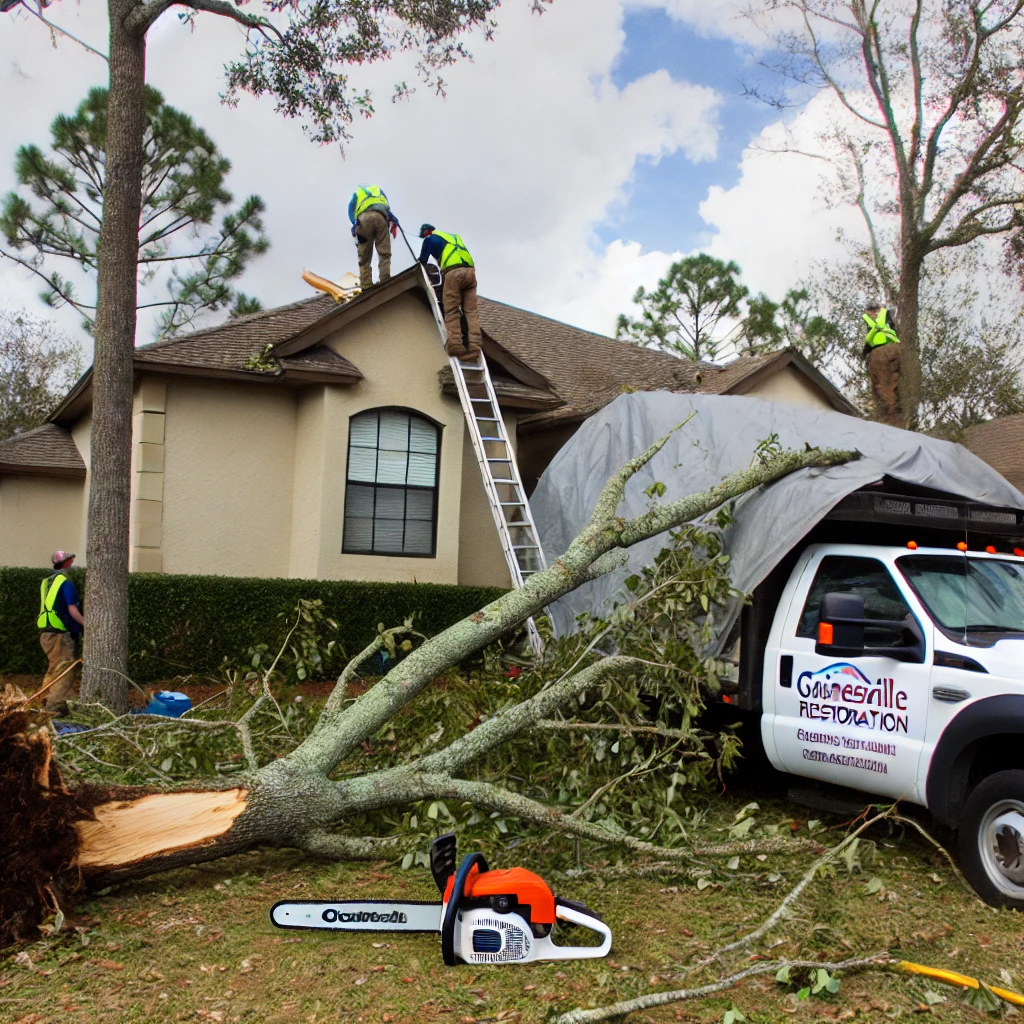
(423, 437)
(419, 537)
(866, 577)
(391, 490)
(362, 464)
(358, 534)
(394, 430)
(363, 430)
(392, 467)
(422, 470)
(359, 501)
(387, 535)
(419, 504)
(390, 503)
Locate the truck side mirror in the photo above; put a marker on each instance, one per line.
(841, 625)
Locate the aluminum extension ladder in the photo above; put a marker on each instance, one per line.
(497, 461)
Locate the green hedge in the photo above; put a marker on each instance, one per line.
(183, 624)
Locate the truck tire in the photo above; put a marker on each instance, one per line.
(991, 839)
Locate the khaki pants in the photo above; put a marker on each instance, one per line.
(60, 652)
(458, 291)
(884, 371)
(373, 228)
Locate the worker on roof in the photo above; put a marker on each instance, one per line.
(372, 219)
(882, 350)
(458, 288)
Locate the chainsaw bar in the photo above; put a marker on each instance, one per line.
(358, 915)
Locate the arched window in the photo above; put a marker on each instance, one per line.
(391, 494)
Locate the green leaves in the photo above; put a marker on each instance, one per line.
(183, 195)
(733, 1016)
(814, 981)
(683, 315)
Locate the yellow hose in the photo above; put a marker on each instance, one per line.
(959, 979)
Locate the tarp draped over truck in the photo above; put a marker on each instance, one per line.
(720, 439)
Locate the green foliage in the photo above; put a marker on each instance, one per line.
(38, 365)
(792, 323)
(808, 981)
(683, 314)
(183, 192)
(263, 362)
(183, 625)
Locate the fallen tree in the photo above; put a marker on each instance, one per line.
(107, 836)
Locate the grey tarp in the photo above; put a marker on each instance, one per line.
(720, 439)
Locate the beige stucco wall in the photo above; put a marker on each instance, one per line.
(398, 351)
(481, 561)
(39, 515)
(314, 459)
(227, 481)
(791, 386)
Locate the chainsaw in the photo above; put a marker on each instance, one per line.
(484, 917)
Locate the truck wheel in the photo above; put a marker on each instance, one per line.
(992, 839)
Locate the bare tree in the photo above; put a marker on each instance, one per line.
(60, 839)
(299, 54)
(38, 364)
(931, 151)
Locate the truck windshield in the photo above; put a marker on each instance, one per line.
(968, 595)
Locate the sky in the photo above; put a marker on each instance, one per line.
(578, 154)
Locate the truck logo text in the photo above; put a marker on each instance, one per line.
(875, 705)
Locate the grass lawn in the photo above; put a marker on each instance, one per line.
(197, 945)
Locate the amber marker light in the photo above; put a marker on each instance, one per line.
(991, 549)
(912, 544)
(962, 546)
(825, 633)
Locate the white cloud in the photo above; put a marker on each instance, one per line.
(775, 221)
(531, 149)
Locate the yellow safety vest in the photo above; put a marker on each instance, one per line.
(48, 591)
(368, 197)
(879, 332)
(455, 253)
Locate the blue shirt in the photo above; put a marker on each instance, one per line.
(433, 246)
(67, 596)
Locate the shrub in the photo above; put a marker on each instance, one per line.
(188, 624)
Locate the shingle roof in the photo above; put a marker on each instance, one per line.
(230, 345)
(49, 450)
(587, 370)
(1000, 443)
(320, 359)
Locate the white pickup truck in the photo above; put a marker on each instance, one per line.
(886, 655)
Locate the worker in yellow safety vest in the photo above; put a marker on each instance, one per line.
(458, 288)
(882, 350)
(373, 227)
(60, 624)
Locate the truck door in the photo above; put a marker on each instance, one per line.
(859, 721)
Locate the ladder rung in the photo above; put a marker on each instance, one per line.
(526, 547)
(513, 504)
(500, 460)
(487, 400)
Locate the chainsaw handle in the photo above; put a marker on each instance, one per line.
(451, 908)
(545, 949)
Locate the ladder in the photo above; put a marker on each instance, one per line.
(497, 461)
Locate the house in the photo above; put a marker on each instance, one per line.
(327, 441)
(1000, 443)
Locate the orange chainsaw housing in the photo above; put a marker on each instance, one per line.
(527, 887)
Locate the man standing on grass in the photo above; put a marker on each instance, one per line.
(458, 288)
(60, 623)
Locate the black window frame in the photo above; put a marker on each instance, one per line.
(874, 637)
(438, 430)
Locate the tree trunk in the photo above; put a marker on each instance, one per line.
(106, 593)
(908, 305)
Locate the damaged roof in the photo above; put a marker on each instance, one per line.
(553, 372)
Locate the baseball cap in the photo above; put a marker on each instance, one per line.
(873, 304)
(61, 556)
(424, 228)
